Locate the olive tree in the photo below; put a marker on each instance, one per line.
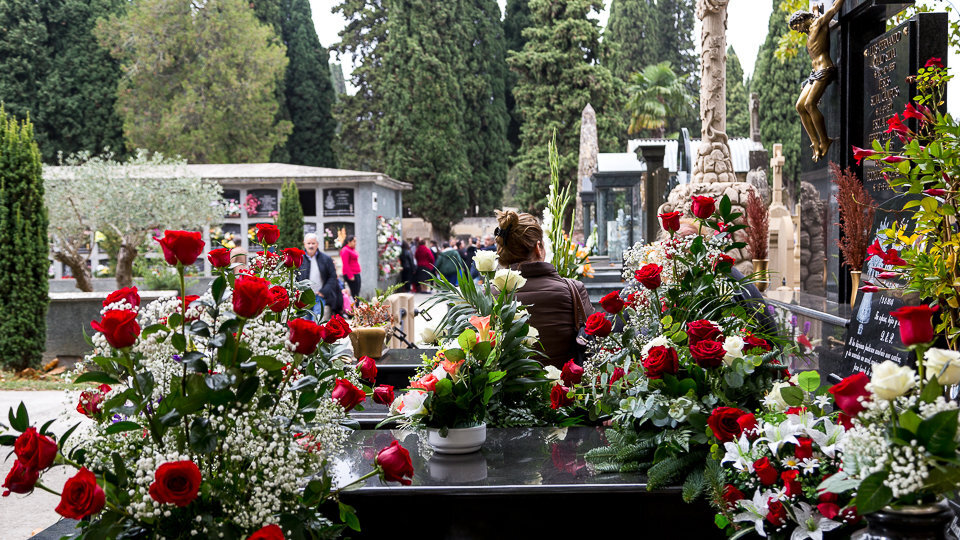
(130, 199)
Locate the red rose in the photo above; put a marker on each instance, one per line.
(731, 494)
(250, 296)
(708, 353)
(368, 368)
(748, 423)
(793, 487)
(128, 294)
(701, 330)
(119, 327)
(305, 334)
(297, 303)
(383, 394)
(267, 234)
(828, 510)
(395, 463)
(219, 258)
(292, 257)
(612, 303)
(571, 373)
(176, 482)
(270, 532)
(279, 299)
(347, 395)
(934, 61)
(670, 221)
(776, 513)
(598, 325)
(649, 275)
(632, 299)
(336, 329)
(845, 421)
(181, 246)
(190, 298)
(723, 423)
(659, 360)
(765, 471)
(618, 374)
(753, 342)
(846, 393)
(559, 397)
(81, 496)
(428, 382)
(703, 207)
(20, 479)
(804, 448)
(90, 400)
(915, 324)
(722, 259)
(36, 451)
(826, 496)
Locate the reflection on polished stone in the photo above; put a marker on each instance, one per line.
(458, 468)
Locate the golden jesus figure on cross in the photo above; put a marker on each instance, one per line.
(824, 72)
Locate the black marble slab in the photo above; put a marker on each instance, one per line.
(525, 481)
(64, 527)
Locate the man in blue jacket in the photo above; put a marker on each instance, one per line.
(318, 268)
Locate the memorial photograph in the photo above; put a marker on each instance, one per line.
(479, 269)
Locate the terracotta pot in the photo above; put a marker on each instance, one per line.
(458, 440)
(854, 286)
(926, 522)
(760, 269)
(368, 341)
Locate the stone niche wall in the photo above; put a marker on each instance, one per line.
(812, 243)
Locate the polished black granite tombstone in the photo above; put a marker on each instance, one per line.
(525, 481)
(394, 368)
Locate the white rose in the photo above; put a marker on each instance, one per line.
(485, 261)
(659, 341)
(428, 335)
(532, 336)
(890, 381)
(508, 280)
(943, 363)
(733, 346)
(552, 373)
(774, 399)
(412, 403)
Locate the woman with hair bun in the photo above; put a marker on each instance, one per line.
(558, 306)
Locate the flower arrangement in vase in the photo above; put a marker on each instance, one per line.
(388, 246)
(857, 210)
(758, 234)
(373, 323)
(689, 341)
(214, 415)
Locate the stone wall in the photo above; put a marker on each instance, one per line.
(812, 248)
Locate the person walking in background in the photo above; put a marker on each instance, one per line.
(434, 248)
(351, 265)
(425, 261)
(448, 262)
(318, 268)
(408, 266)
(488, 243)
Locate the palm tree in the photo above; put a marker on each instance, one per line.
(656, 94)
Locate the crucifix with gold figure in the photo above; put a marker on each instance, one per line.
(824, 72)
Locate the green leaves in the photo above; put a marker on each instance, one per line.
(873, 494)
(97, 377)
(808, 381)
(792, 395)
(21, 420)
(120, 427)
(937, 433)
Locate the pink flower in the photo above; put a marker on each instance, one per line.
(935, 192)
(893, 159)
(860, 153)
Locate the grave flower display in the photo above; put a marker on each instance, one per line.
(679, 340)
(215, 415)
(389, 240)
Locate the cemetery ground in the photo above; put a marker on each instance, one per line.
(52, 397)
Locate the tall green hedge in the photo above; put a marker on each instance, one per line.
(23, 247)
(290, 220)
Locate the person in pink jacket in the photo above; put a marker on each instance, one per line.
(351, 265)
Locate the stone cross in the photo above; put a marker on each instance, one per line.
(713, 163)
(589, 148)
(776, 165)
(754, 117)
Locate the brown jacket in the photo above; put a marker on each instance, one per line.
(551, 309)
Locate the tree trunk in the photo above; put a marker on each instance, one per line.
(125, 258)
(78, 266)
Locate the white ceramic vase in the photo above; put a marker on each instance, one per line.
(458, 440)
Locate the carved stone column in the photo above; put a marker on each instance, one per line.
(589, 148)
(713, 163)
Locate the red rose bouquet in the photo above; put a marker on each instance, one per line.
(213, 415)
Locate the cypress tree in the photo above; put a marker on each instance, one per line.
(777, 86)
(364, 39)
(485, 116)
(738, 105)
(308, 90)
(24, 56)
(23, 246)
(290, 219)
(77, 98)
(516, 19)
(559, 74)
(421, 132)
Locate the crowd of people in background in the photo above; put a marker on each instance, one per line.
(422, 258)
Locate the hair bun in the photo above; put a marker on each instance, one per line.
(507, 219)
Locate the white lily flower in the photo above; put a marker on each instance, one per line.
(809, 465)
(829, 439)
(755, 510)
(739, 452)
(822, 400)
(811, 524)
(778, 435)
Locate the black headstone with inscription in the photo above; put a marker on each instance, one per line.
(873, 335)
(338, 202)
(267, 199)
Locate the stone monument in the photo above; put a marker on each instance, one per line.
(782, 234)
(587, 166)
